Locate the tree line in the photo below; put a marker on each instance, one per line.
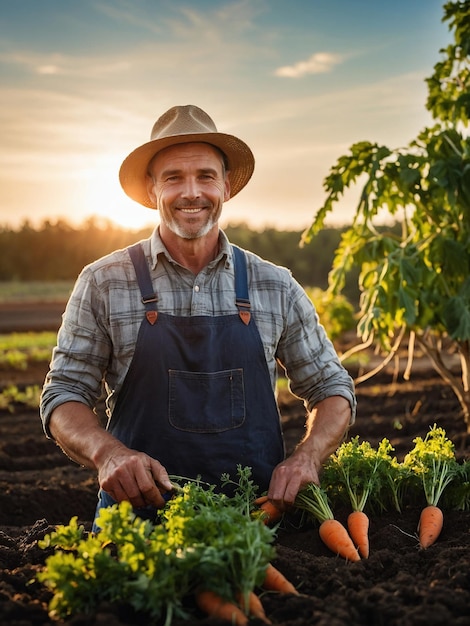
(58, 250)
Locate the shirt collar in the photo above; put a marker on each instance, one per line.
(157, 247)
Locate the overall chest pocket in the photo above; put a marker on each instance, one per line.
(206, 402)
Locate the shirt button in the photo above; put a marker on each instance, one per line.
(196, 288)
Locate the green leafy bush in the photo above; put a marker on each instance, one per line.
(203, 539)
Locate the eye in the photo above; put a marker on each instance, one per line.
(206, 176)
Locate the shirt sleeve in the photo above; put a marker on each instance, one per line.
(81, 355)
(308, 356)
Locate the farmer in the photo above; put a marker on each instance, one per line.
(184, 332)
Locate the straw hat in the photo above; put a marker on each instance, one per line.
(185, 124)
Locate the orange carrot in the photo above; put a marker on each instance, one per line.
(335, 536)
(358, 526)
(270, 513)
(215, 606)
(313, 499)
(430, 525)
(261, 500)
(253, 607)
(276, 581)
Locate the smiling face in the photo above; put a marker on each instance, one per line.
(188, 184)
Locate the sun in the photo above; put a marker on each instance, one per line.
(105, 198)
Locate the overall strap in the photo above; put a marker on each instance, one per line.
(149, 297)
(242, 300)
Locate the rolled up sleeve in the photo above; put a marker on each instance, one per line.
(81, 355)
(311, 362)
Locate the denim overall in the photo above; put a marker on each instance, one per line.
(198, 395)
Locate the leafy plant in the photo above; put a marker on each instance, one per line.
(355, 466)
(18, 350)
(396, 479)
(203, 540)
(415, 283)
(433, 460)
(127, 562)
(335, 311)
(457, 494)
(12, 396)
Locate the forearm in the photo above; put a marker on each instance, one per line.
(326, 427)
(76, 429)
(123, 473)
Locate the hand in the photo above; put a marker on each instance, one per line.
(289, 477)
(123, 473)
(325, 428)
(134, 476)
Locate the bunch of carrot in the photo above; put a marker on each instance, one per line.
(205, 545)
(231, 551)
(360, 476)
(357, 470)
(354, 470)
(314, 500)
(245, 605)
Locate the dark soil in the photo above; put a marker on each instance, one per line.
(399, 584)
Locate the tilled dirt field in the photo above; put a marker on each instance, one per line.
(398, 585)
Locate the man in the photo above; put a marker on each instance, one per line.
(186, 332)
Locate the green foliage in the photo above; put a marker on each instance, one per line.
(433, 460)
(449, 86)
(407, 278)
(416, 280)
(42, 263)
(335, 311)
(314, 500)
(35, 291)
(11, 396)
(357, 470)
(396, 479)
(18, 350)
(203, 539)
(27, 342)
(357, 473)
(457, 494)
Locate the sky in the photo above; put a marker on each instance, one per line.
(83, 81)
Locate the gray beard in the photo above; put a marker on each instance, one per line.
(185, 234)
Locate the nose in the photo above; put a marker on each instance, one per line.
(191, 188)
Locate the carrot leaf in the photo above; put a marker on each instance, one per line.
(433, 460)
(314, 501)
(356, 468)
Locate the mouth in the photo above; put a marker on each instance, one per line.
(196, 210)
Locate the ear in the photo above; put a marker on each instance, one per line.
(227, 188)
(150, 189)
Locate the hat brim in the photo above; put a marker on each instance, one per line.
(133, 172)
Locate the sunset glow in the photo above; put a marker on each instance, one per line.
(300, 82)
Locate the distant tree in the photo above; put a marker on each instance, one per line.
(416, 284)
(309, 265)
(56, 250)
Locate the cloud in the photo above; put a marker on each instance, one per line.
(318, 63)
(48, 69)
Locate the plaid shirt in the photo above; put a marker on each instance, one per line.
(96, 340)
